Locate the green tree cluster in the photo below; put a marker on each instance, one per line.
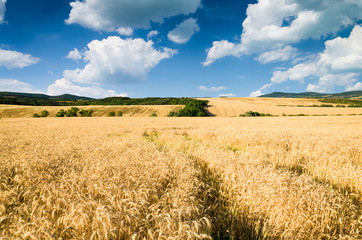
(113, 114)
(352, 102)
(193, 108)
(42, 114)
(86, 113)
(73, 112)
(255, 114)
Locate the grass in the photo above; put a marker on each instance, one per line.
(181, 178)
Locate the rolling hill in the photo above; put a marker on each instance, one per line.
(30, 99)
(63, 97)
(344, 95)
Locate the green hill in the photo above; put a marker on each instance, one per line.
(344, 95)
(31, 99)
(66, 97)
(34, 99)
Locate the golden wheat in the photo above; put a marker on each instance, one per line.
(181, 178)
(220, 107)
(233, 107)
(18, 111)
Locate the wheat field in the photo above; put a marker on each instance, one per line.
(233, 107)
(181, 178)
(21, 111)
(218, 107)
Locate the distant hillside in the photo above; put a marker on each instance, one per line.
(34, 99)
(344, 95)
(66, 97)
(30, 99)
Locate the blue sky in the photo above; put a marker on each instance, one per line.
(194, 48)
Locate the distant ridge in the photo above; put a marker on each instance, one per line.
(344, 95)
(31, 99)
(64, 97)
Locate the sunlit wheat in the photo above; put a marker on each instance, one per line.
(181, 178)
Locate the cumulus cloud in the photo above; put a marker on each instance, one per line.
(222, 49)
(213, 89)
(152, 34)
(227, 95)
(74, 55)
(63, 86)
(328, 81)
(356, 87)
(118, 60)
(110, 15)
(113, 60)
(126, 31)
(13, 85)
(184, 31)
(344, 54)
(281, 54)
(14, 59)
(275, 24)
(340, 64)
(2, 10)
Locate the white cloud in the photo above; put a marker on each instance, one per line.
(340, 64)
(74, 55)
(281, 54)
(13, 85)
(256, 93)
(61, 86)
(275, 24)
(152, 34)
(113, 60)
(118, 60)
(111, 15)
(126, 31)
(213, 89)
(64, 86)
(184, 31)
(2, 10)
(227, 95)
(14, 59)
(307, 57)
(222, 49)
(259, 92)
(344, 54)
(356, 87)
(328, 81)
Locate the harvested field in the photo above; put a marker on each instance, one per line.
(233, 107)
(181, 178)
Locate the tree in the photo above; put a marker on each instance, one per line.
(60, 113)
(72, 112)
(44, 113)
(86, 113)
